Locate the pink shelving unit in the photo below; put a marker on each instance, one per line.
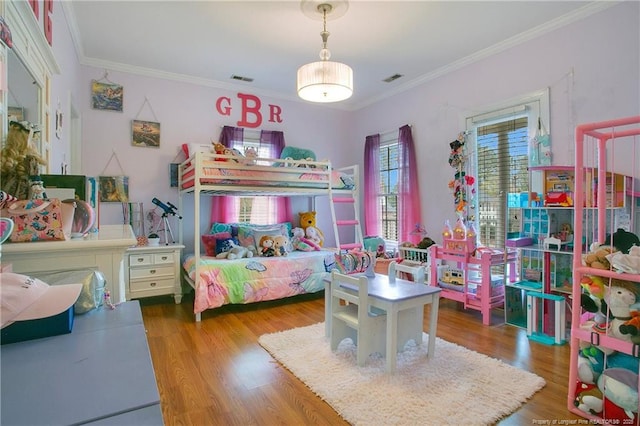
(603, 379)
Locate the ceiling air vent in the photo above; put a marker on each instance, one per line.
(241, 78)
(392, 78)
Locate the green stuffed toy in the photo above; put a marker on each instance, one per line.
(293, 153)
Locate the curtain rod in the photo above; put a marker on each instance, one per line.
(391, 131)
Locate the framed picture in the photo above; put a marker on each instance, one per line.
(106, 96)
(114, 189)
(15, 113)
(145, 133)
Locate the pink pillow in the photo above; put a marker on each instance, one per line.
(209, 241)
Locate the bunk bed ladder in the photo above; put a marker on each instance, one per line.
(341, 203)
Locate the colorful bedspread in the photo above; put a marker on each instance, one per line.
(257, 279)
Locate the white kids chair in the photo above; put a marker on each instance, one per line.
(416, 273)
(410, 321)
(353, 319)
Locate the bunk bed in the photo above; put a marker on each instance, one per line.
(219, 282)
(603, 379)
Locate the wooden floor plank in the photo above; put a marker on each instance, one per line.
(215, 372)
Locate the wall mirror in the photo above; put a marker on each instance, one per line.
(23, 92)
(29, 66)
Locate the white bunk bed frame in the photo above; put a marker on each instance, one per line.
(193, 180)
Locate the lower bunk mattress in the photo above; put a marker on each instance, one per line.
(241, 281)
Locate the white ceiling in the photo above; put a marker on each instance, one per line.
(206, 42)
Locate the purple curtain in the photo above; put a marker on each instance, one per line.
(223, 208)
(275, 141)
(409, 210)
(371, 185)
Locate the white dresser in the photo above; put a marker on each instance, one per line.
(153, 271)
(103, 251)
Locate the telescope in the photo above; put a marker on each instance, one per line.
(169, 209)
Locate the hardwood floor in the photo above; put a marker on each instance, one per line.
(215, 372)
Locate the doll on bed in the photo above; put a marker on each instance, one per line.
(267, 246)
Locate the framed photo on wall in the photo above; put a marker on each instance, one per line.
(145, 133)
(114, 189)
(106, 96)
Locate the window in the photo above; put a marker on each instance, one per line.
(392, 210)
(262, 209)
(498, 142)
(258, 210)
(388, 192)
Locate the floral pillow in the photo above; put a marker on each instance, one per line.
(249, 235)
(216, 243)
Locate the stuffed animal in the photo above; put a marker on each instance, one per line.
(280, 243)
(597, 257)
(632, 326)
(218, 148)
(425, 243)
(300, 242)
(250, 155)
(235, 252)
(267, 246)
(629, 263)
(314, 235)
(623, 240)
(308, 219)
(620, 296)
(591, 301)
(297, 153)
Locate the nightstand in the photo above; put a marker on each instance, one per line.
(153, 271)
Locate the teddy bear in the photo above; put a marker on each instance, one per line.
(235, 252)
(280, 243)
(219, 149)
(308, 220)
(597, 257)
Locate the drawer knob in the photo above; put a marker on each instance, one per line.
(152, 271)
(165, 257)
(140, 259)
(152, 284)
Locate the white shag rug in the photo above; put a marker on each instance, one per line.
(458, 386)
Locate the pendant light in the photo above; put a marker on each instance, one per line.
(325, 80)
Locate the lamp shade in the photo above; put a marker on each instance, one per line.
(325, 81)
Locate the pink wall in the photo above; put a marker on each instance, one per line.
(591, 67)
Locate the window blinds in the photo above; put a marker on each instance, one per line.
(502, 164)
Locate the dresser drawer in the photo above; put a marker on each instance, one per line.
(163, 258)
(151, 271)
(140, 259)
(152, 284)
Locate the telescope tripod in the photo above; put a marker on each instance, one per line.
(167, 228)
